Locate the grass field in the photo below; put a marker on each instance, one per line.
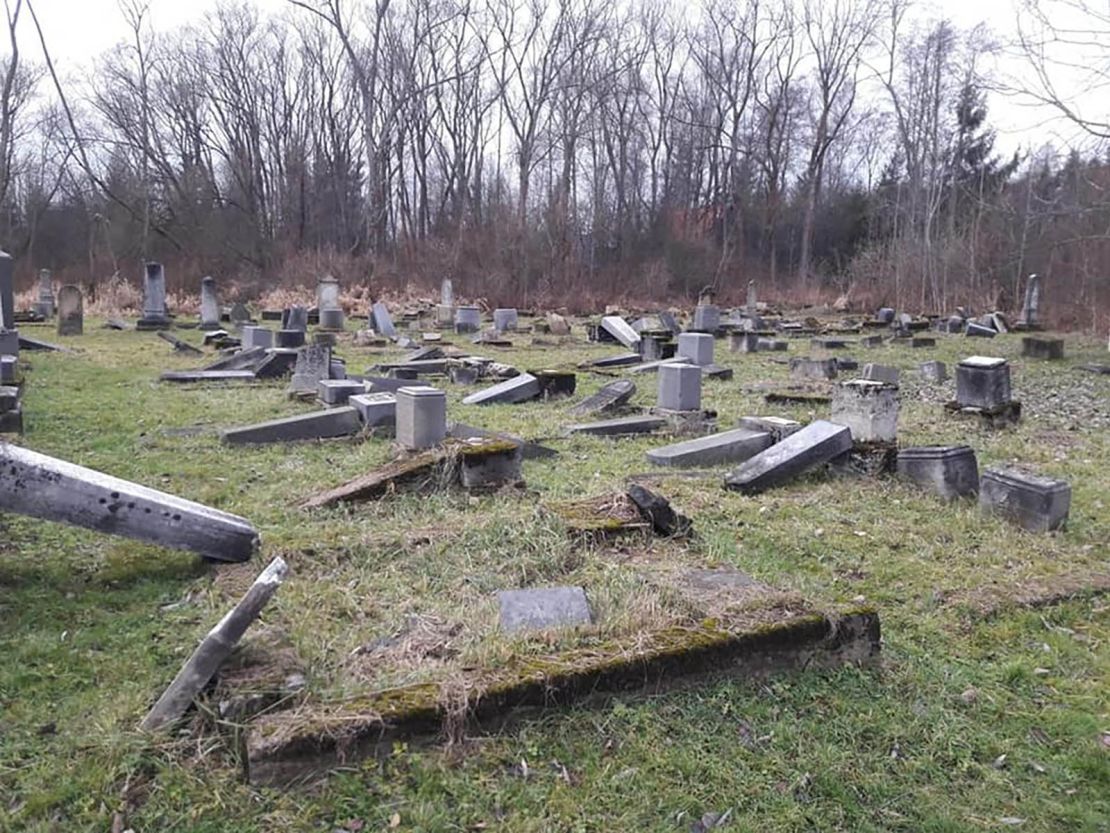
(985, 713)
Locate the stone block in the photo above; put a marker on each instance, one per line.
(381, 321)
(504, 319)
(611, 397)
(490, 464)
(289, 339)
(376, 410)
(695, 348)
(9, 342)
(540, 608)
(620, 427)
(983, 382)
(71, 311)
(421, 417)
(1037, 347)
(620, 329)
(256, 337)
(935, 372)
(679, 387)
(733, 446)
(707, 318)
(778, 427)
(338, 391)
(316, 425)
(7, 370)
(818, 443)
(332, 320)
(880, 373)
(1037, 504)
(869, 409)
(294, 318)
(468, 319)
(743, 342)
(976, 330)
(950, 471)
(803, 368)
(518, 389)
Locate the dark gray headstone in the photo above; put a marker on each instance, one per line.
(950, 471)
(611, 397)
(622, 426)
(209, 304)
(381, 321)
(7, 292)
(817, 443)
(983, 382)
(317, 425)
(518, 389)
(1037, 504)
(733, 446)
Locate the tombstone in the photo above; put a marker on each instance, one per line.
(327, 294)
(818, 443)
(468, 319)
(611, 397)
(619, 427)
(313, 364)
(289, 339)
(918, 342)
(751, 308)
(869, 409)
(209, 304)
(707, 318)
(803, 368)
(71, 311)
(934, 371)
(332, 320)
(976, 330)
(338, 391)
(557, 324)
(679, 387)
(695, 348)
(447, 293)
(7, 292)
(880, 373)
(828, 343)
(871, 341)
(619, 329)
(490, 464)
(421, 417)
(544, 607)
(520, 388)
(556, 383)
(773, 345)
(669, 322)
(885, 315)
(445, 316)
(256, 337)
(844, 363)
(743, 342)
(315, 425)
(240, 315)
(7, 369)
(1036, 504)
(154, 298)
(381, 320)
(504, 319)
(294, 318)
(1030, 311)
(45, 304)
(653, 348)
(376, 410)
(732, 446)
(1035, 347)
(983, 382)
(949, 471)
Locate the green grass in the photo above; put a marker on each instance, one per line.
(914, 744)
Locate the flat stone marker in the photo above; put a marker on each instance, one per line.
(7, 370)
(679, 387)
(611, 397)
(216, 647)
(45, 487)
(816, 444)
(623, 426)
(802, 368)
(1037, 347)
(190, 376)
(421, 417)
(983, 382)
(881, 373)
(276, 363)
(869, 409)
(695, 348)
(828, 343)
(376, 410)
(653, 367)
(338, 391)
(246, 359)
(623, 360)
(209, 304)
(935, 372)
(518, 389)
(178, 344)
(547, 607)
(619, 329)
(313, 364)
(71, 311)
(316, 425)
(950, 471)
(778, 427)
(1036, 504)
(733, 446)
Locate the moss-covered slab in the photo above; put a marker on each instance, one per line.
(601, 516)
(308, 742)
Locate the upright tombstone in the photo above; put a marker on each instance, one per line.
(332, 320)
(983, 382)
(949, 471)
(256, 337)
(240, 315)
(313, 364)
(504, 319)
(447, 293)
(696, 348)
(1036, 504)
(751, 307)
(1031, 310)
(295, 318)
(468, 319)
(7, 292)
(421, 417)
(327, 293)
(707, 318)
(679, 387)
(45, 306)
(71, 311)
(869, 409)
(209, 304)
(155, 316)
(743, 342)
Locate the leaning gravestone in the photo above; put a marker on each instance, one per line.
(155, 316)
(818, 443)
(382, 323)
(240, 315)
(71, 311)
(611, 397)
(1030, 312)
(545, 607)
(209, 304)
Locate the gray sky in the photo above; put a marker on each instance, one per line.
(79, 30)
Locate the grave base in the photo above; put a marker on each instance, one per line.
(1000, 417)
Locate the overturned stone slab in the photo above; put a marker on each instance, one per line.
(620, 427)
(611, 397)
(518, 389)
(26, 342)
(191, 376)
(621, 330)
(950, 471)
(45, 487)
(1036, 504)
(623, 360)
(178, 344)
(214, 649)
(316, 425)
(338, 391)
(733, 446)
(1036, 347)
(816, 444)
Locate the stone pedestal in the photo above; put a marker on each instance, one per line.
(950, 471)
(707, 318)
(9, 342)
(813, 368)
(743, 342)
(936, 372)
(256, 337)
(45, 304)
(1037, 504)
(869, 409)
(504, 319)
(1035, 347)
(7, 369)
(421, 417)
(983, 382)
(445, 316)
(289, 339)
(332, 319)
(695, 348)
(679, 387)
(490, 464)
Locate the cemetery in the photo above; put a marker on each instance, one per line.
(341, 542)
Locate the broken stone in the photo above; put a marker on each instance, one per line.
(7, 370)
(338, 391)
(733, 446)
(707, 318)
(316, 425)
(556, 383)
(868, 408)
(828, 343)
(540, 608)
(657, 511)
(45, 487)
(190, 376)
(622, 426)
(294, 318)
(611, 397)
(949, 471)
(1036, 504)
(518, 389)
(619, 329)
(921, 341)
(716, 371)
(935, 372)
(778, 427)
(816, 444)
(490, 465)
(380, 320)
(623, 360)
(179, 345)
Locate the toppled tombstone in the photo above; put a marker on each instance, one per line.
(489, 464)
(178, 344)
(934, 371)
(315, 425)
(45, 487)
(950, 471)
(520, 388)
(657, 511)
(620, 330)
(313, 365)
(732, 446)
(216, 647)
(778, 427)
(623, 360)
(189, 376)
(611, 397)
(529, 450)
(600, 517)
(880, 373)
(977, 330)
(620, 427)
(818, 443)
(540, 608)
(380, 320)
(1036, 504)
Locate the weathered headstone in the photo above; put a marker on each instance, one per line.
(540, 608)
(1035, 347)
(256, 337)
(778, 427)
(695, 348)
(518, 389)
(751, 307)
(289, 339)
(240, 314)
(619, 329)
(45, 305)
(294, 318)
(327, 293)
(804, 368)
(869, 409)
(557, 324)
(733, 446)
(376, 410)
(71, 311)
(880, 373)
(816, 444)
(983, 382)
(209, 304)
(504, 319)
(679, 387)
(7, 292)
(313, 364)
(154, 298)
(622, 426)
(1030, 312)
(447, 293)
(611, 397)
(421, 417)
(332, 319)
(743, 342)
(468, 319)
(949, 471)
(1037, 504)
(338, 391)
(934, 371)
(885, 315)
(707, 318)
(7, 369)
(489, 464)
(381, 320)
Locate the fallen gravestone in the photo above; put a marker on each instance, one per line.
(338, 391)
(620, 427)
(178, 345)
(818, 443)
(657, 511)
(518, 389)
(316, 425)
(381, 321)
(529, 450)
(936, 372)
(880, 373)
(619, 329)
(869, 409)
(778, 427)
(733, 446)
(611, 397)
(546, 607)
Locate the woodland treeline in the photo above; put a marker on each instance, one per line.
(558, 151)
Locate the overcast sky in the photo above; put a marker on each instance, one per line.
(79, 30)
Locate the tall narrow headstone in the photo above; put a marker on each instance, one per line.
(313, 364)
(209, 304)
(7, 292)
(1030, 313)
(750, 307)
(71, 311)
(154, 298)
(45, 304)
(447, 293)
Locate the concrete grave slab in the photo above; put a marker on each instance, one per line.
(818, 443)
(541, 608)
(733, 446)
(622, 426)
(316, 425)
